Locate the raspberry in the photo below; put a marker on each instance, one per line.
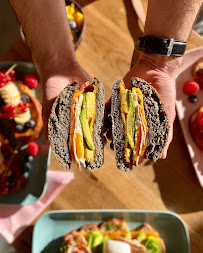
(20, 105)
(26, 104)
(190, 87)
(8, 78)
(31, 80)
(12, 73)
(23, 110)
(32, 149)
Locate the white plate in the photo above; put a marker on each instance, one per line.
(185, 108)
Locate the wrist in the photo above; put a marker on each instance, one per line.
(169, 65)
(54, 63)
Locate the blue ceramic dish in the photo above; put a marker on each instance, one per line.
(36, 181)
(52, 226)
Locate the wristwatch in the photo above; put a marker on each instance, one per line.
(164, 46)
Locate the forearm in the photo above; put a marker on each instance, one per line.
(169, 19)
(47, 33)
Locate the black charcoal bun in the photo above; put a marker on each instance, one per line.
(157, 121)
(98, 128)
(59, 126)
(118, 128)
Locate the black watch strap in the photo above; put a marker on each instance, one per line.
(164, 46)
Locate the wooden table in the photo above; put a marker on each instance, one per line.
(170, 184)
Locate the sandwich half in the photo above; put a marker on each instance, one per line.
(140, 124)
(75, 125)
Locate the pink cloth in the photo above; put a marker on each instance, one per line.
(15, 218)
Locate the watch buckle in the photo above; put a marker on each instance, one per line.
(170, 47)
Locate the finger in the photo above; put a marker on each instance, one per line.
(164, 153)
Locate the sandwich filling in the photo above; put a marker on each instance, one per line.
(135, 123)
(83, 112)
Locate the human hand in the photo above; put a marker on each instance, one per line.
(55, 82)
(161, 72)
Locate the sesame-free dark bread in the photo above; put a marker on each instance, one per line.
(118, 128)
(59, 126)
(98, 128)
(157, 118)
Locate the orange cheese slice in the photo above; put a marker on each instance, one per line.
(133, 234)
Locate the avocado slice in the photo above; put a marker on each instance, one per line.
(153, 245)
(141, 236)
(131, 121)
(85, 125)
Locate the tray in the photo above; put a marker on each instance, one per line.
(52, 226)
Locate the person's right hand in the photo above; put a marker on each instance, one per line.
(161, 72)
(56, 81)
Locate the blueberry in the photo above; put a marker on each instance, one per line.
(12, 180)
(26, 167)
(25, 97)
(29, 158)
(77, 33)
(193, 99)
(30, 124)
(72, 24)
(20, 127)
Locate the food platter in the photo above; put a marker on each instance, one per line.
(52, 226)
(36, 179)
(185, 108)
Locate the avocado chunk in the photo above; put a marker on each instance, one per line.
(95, 238)
(153, 245)
(141, 236)
(131, 121)
(85, 125)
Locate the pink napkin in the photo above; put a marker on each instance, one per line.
(14, 218)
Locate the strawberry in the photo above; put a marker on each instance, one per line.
(190, 87)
